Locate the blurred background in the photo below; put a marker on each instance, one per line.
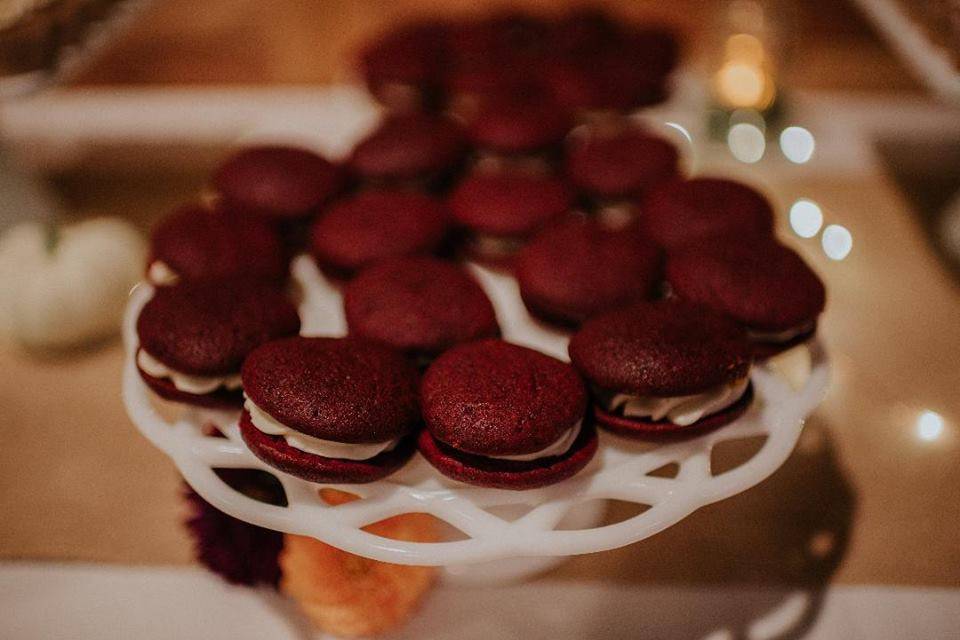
(849, 118)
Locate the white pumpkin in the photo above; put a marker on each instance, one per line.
(66, 286)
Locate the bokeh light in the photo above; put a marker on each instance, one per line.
(806, 218)
(929, 425)
(797, 144)
(837, 242)
(747, 142)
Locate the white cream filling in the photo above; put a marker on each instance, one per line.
(161, 275)
(197, 385)
(780, 336)
(558, 448)
(496, 246)
(317, 446)
(680, 410)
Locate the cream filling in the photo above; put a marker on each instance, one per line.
(781, 336)
(161, 275)
(317, 446)
(680, 410)
(197, 385)
(558, 448)
(496, 246)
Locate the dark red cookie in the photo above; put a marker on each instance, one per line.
(275, 451)
(640, 428)
(409, 147)
(758, 282)
(613, 78)
(518, 125)
(510, 474)
(276, 181)
(342, 389)
(419, 305)
(661, 349)
(492, 398)
(682, 211)
(403, 67)
(577, 269)
(196, 243)
(584, 31)
(207, 329)
(377, 224)
(619, 164)
(666, 348)
(507, 205)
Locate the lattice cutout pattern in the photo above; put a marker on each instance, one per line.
(496, 524)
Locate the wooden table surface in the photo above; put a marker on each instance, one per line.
(862, 500)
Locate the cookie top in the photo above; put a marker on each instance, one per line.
(758, 281)
(666, 348)
(407, 147)
(410, 54)
(579, 268)
(681, 211)
(612, 78)
(207, 328)
(418, 304)
(495, 398)
(376, 224)
(518, 125)
(204, 244)
(277, 181)
(621, 164)
(349, 390)
(508, 203)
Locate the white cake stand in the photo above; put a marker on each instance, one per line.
(506, 535)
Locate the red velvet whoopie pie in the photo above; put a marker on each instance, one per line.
(330, 410)
(419, 305)
(579, 268)
(403, 66)
(409, 148)
(376, 224)
(499, 210)
(505, 416)
(678, 212)
(758, 282)
(278, 182)
(519, 124)
(611, 165)
(194, 337)
(664, 368)
(197, 243)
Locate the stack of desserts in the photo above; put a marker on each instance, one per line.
(506, 141)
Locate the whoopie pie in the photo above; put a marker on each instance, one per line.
(375, 224)
(419, 305)
(277, 182)
(505, 416)
(194, 337)
(518, 125)
(409, 148)
(758, 282)
(330, 410)
(619, 163)
(199, 243)
(578, 268)
(666, 367)
(402, 67)
(612, 78)
(499, 210)
(683, 211)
